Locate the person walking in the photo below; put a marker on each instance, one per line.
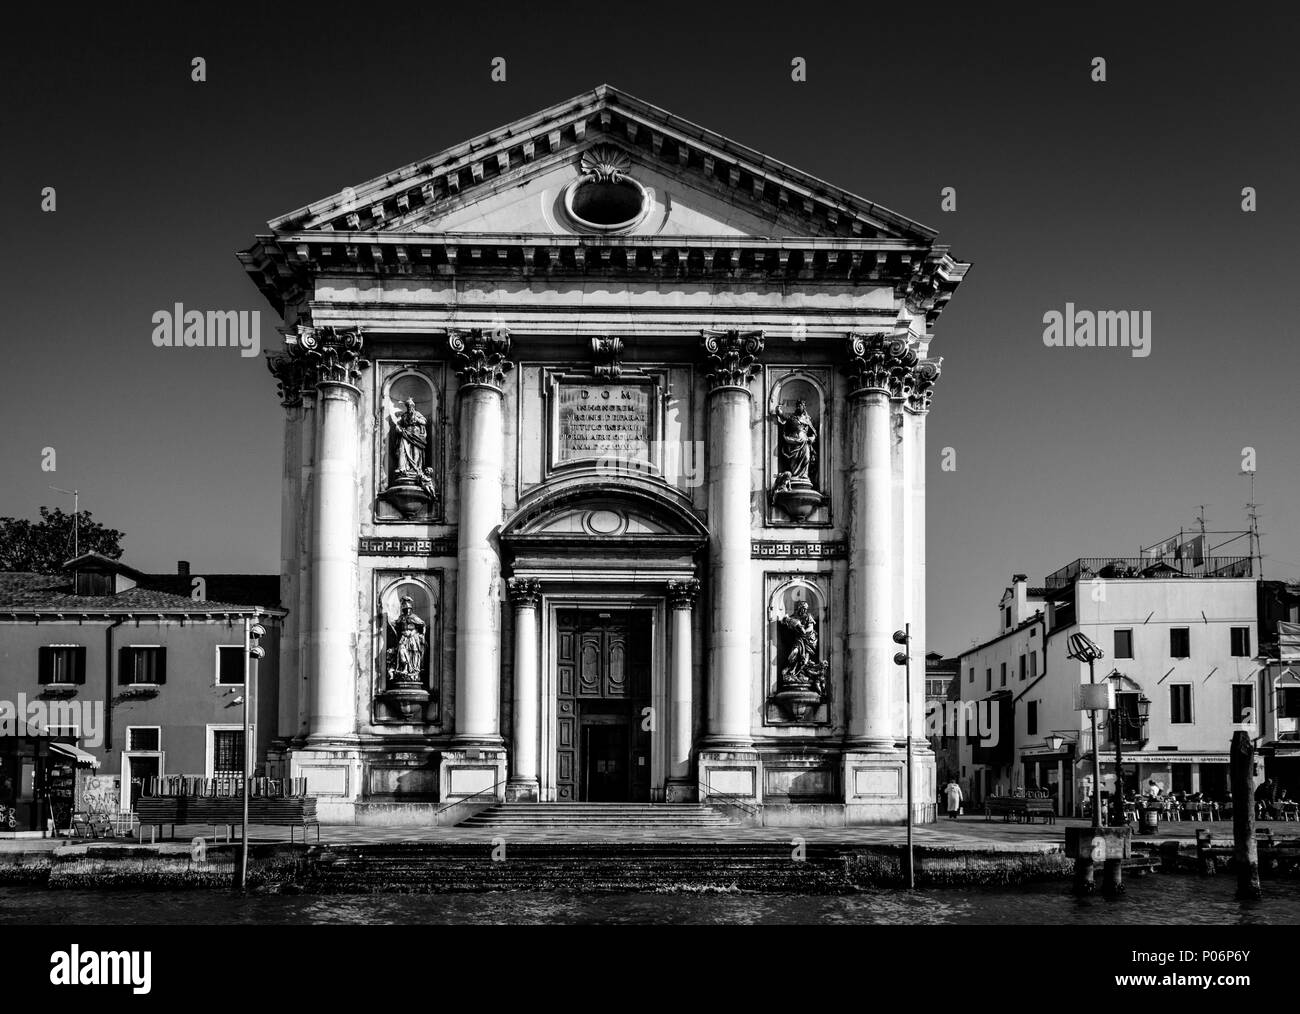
(952, 794)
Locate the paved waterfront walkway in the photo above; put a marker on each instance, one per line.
(966, 834)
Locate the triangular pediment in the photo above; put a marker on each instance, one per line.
(515, 181)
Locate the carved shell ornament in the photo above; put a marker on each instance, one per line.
(605, 162)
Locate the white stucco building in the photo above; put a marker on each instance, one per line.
(604, 475)
(1179, 631)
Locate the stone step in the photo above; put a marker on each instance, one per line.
(579, 815)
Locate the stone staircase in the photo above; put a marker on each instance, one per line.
(578, 816)
(411, 867)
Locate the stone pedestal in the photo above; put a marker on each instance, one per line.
(875, 786)
(730, 773)
(334, 777)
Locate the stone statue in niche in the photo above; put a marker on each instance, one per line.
(408, 638)
(411, 488)
(803, 670)
(801, 686)
(793, 490)
(406, 646)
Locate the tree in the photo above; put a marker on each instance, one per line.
(44, 546)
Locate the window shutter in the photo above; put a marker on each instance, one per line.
(160, 670)
(45, 664)
(79, 664)
(124, 667)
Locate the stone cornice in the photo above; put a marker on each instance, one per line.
(922, 276)
(326, 355)
(731, 358)
(481, 356)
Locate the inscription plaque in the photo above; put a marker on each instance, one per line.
(604, 421)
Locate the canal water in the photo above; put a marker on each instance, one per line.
(1173, 900)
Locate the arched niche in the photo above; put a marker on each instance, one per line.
(798, 651)
(406, 650)
(799, 468)
(409, 434)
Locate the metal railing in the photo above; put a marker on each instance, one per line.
(1087, 567)
(730, 799)
(473, 795)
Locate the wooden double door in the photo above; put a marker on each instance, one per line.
(603, 691)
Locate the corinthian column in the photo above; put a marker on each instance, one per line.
(916, 407)
(524, 593)
(879, 364)
(288, 374)
(332, 361)
(482, 366)
(681, 600)
(732, 362)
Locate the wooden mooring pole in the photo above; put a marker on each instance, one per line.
(1245, 853)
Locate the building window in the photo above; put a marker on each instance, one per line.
(144, 665)
(1180, 703)
(145, 738)
(62, 663)
(1024, 667)
(1006, 616)
(1031, 718)
(1243, 704)
(227, 753)
(1241, 642)
(988, 679)
(1123, 644)
(1180, 642)
(1288, 702)
(1033, 665)
(230, 665)
(972, 674)
(1004, 674)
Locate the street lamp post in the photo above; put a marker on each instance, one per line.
(253, 633)
(1119, 721)
(904, 658)
(1085, 649)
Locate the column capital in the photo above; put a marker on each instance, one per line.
(481, 355)
(732, 358)
(524, 592)
(925, 376)
(289, 376)
(682, 594)
(881, 362)
(326, 355)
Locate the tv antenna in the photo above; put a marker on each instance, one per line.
(76, 518)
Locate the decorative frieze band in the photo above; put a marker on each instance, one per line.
(524, 592)
(682, 594)
(732, 358)
(481, 354)
(326, 355)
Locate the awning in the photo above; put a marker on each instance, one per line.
(76, 753)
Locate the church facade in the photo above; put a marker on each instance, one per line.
(603, 477)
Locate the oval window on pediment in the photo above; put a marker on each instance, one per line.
(604, 198)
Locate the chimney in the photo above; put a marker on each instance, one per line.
(183, 568)
(1020, 598)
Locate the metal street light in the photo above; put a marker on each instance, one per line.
(1054, 743)
(904, 658)
(1119, 721)
(1085, 649)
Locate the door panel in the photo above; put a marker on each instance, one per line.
(603, 685)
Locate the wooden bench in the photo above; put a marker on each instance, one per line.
(1022, 808)
(226, 812)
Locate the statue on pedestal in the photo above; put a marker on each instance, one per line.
(803, 671)
(408, 637)
(793, 490)
(411, 487)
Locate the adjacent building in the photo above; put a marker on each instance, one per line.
(1181, 637)
(604, 476)
(125, 676)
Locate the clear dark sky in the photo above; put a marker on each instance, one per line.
(1118, 196)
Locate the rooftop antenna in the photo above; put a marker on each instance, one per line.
(1252, 513)
(76, 518)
